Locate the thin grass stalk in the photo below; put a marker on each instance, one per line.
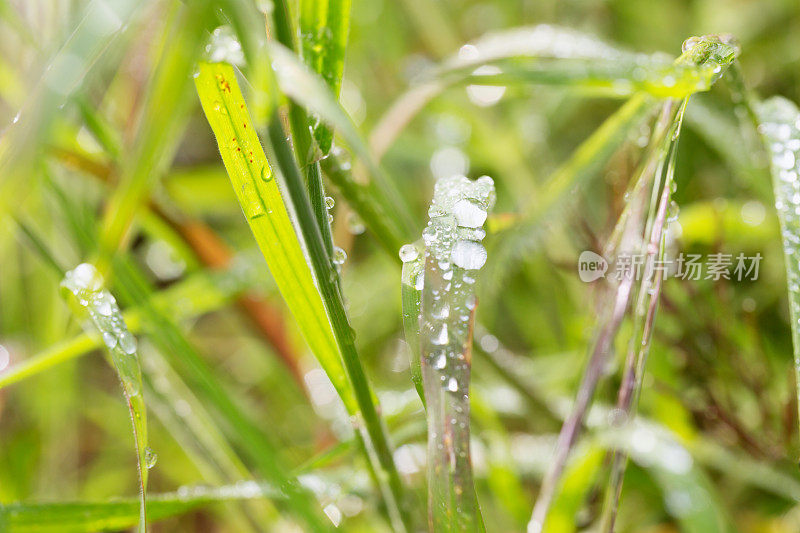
(305, 148)
(629, 234)
(646, 307)
(367, 421)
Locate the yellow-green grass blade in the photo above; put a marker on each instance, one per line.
(83, 286)
(267, 215)
(310, 294)
(163, 117)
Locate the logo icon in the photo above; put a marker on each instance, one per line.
(591, 266)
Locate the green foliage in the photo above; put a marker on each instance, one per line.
(281, 398)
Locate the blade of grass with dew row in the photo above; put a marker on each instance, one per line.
(122, 514)
(710, 55)
(371, 430)
(191, 297)
(309, 298)
(254, 441)
(453, 255)
(84, 288)
(412, 282)
(779, 125)
(548, 54)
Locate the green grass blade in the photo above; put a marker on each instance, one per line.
(121, 513)
(267, 215)
(555, 56)
(412, 282)
(453, 256)
(84, 287)
(192, 297)
(312, 297)
(163, 118)
(324, 28)
(779, 119)
(308, 89)
(368, 422)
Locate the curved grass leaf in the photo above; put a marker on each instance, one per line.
(194, 296)
(780, 127)
(711, 55)
(123, 513)
(84, 287)
(550, 55)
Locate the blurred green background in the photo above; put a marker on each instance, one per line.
(719, 384)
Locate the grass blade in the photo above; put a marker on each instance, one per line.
(313, 297)
(779, 119)
(324, 28)
(447, 312)
(644, 315)
(551, 55)
(267, 215)
(412, 282)
(84, 286)
(158, 134)
(122, 514)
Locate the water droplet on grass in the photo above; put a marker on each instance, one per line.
(408, 253)
(339, 256)
(469, 255)
(150, 458)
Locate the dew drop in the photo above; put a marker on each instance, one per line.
(452, 385)
(150, 458)
(408, 253)
(329, 202)
(266, 173)
(441, 338)
(339, 256)
(127, 342)
(109, 339)
(469, 255)
(468, 214)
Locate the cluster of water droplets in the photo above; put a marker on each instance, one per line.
(780, 127)
(223, 47)
(445, 273)
(453, 253)
(86, 284)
